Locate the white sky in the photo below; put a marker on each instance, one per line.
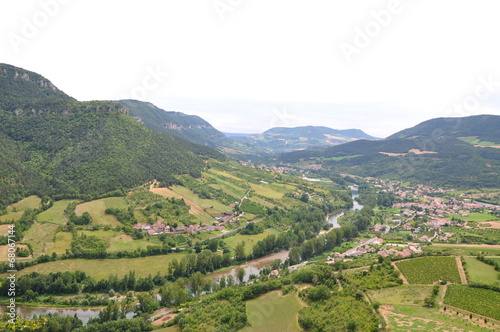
(255, 64)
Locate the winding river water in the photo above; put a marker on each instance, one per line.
(334, 218)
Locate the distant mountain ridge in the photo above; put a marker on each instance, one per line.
(457, 152)
(284, 139)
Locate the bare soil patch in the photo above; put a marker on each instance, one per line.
(487, 224)
(165, 319)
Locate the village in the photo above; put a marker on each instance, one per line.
(422, 209)
(160, 228)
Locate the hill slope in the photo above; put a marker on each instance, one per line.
(280, 139)
(190, 127)
(421, 154)
(56, 146)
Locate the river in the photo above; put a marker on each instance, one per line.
(83, 314)
(334, 218)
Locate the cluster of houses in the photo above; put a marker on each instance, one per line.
(160, 228)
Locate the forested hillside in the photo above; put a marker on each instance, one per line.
(52, 145)
(427, 153)
(189, 127)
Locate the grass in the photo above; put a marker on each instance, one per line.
(102, 268)
(427, 270)
(250, 240)
(212, 207)
(4, 229)
(62, 242)
(477, 217)
(274, 312)
(266, 190)
(480, 272)
(123, 242)
(55, 214)
(31, 202)
(405, 295)
(41, 237)
(98, 207)
(173, 328)
(4, 252)
(481, 301)
(403, 318)
(457, 250)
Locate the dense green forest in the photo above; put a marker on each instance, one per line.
(54, 146)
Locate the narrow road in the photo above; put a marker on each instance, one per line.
(461, 270)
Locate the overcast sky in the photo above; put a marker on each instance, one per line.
(248, 65)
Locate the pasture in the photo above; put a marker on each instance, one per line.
(102, 268)
(274, 312)
(62, 242)
(480, 272)
(402, 295)
(250, 240)
(41, 237)
(55, 214)
(404, 318)
(16, 210)
(427, 270)
(97, 209)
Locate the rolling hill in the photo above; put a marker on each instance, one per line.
(53, 145)
(460, 152)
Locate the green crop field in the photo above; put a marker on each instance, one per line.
(481, 301)
(462, 250)
(480, 272)
(427, 270)
(404, 295)
(102, 268)
(250, 240)
(31, 202)
(274, 312)
(55, 214)
(41, 237)
(98, 207)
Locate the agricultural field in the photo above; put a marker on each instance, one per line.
(122, 242)
(266, 190)
(62, 242)
(427, 270)
(403, 318)
(250, 240)
(477, 217)
(462, 249)
(55, 214)
(4, 251)
(481, 301)
(402, 295)
(480, 272)
(41, 237)
(15, 211)
(4, 229)
(211, 206)
(102, 268)
(274, 312)
(97, 209)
